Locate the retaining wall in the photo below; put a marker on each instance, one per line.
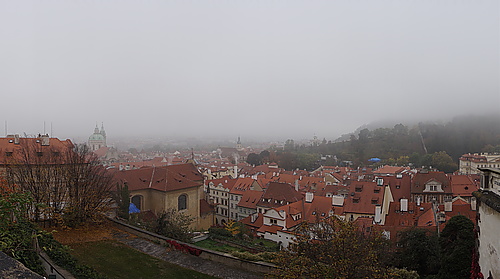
(224, 258)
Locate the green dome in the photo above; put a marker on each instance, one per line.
(96, 137)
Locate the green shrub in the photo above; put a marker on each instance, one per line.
(219, 233)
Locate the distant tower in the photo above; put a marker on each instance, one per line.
(238, 144)
(97, 139)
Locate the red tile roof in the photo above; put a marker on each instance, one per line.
(166, 178)
(250, 199)
(205, 207)
(462, 185)
(277, 193)
(10, 152)
(420, 179)
(364, 196)
(391, 170)
(242, 185)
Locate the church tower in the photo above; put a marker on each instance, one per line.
(98, 138)
(238, 144)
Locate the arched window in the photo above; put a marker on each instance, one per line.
(137, 200)
(182, 202)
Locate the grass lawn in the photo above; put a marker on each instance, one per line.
(116, 260)
(216, 246)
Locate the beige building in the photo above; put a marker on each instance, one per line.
(157, 189)
(470, 163)
(488, 215)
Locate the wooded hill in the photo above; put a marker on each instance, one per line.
(423, 144)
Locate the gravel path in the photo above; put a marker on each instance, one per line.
(185, 260)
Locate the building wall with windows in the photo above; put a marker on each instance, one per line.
(488, 223)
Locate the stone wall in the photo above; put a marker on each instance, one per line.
(224, 258)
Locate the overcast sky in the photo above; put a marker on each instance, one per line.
(277, 68)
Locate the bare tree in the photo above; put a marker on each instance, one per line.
(64, 181)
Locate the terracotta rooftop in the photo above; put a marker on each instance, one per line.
(166, 178)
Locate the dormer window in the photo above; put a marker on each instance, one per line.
(8, 154)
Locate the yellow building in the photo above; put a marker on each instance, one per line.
(157, 189)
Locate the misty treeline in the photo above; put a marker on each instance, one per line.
(425, 144)
(68, 186)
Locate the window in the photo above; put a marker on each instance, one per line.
(182, 202)
(137, 201)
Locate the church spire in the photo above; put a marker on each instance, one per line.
(102, 129)
(96, 129)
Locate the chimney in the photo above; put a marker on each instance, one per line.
(16, 139)
(378, 214)
(404, 205)
(309, 197)
(45, 140)
(235, 171)
(473, 204)
(448, 206)
(296, 185)
(337, 200)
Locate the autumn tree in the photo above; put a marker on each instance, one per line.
(332, 248)
(173, 224)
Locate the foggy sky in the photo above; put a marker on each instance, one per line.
(276, 68)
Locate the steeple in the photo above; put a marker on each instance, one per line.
(238, 144)
(96, 129)
(102, 129)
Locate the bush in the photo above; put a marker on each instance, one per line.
(16, 240)
(219, 233)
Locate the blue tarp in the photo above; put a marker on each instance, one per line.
(374, 160)
(133, 209)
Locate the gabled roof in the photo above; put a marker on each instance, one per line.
(250, 199)
(281, 192)
(400, 186)
(462, 185)
(225, 182)
(364, 202)
(242, 185)
(420, 179)
(390, 170)
(166, 178)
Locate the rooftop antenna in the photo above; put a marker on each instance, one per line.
(5, 127)
(44, 127)
(51, 131)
